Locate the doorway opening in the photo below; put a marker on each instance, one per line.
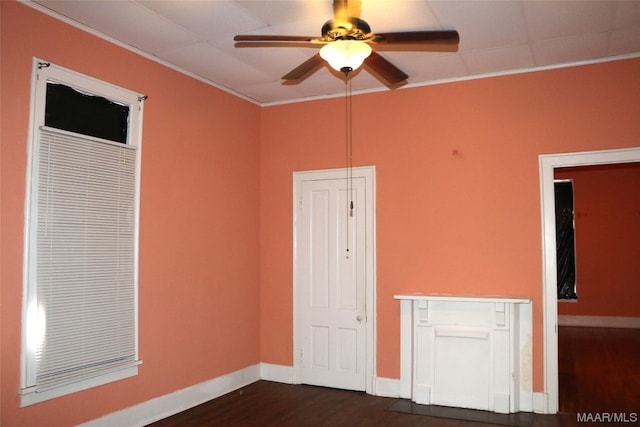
(548, 163)
(607, 205)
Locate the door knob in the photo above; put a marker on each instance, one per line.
(359, 317)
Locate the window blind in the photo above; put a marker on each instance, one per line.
(85, 269)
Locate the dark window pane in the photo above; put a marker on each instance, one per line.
(70, 110)
(565, 241)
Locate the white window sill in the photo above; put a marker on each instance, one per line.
(32, 396)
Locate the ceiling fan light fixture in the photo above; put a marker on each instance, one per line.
(345, 55)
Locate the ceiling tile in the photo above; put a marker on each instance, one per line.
(392, 15)
(128, 22)
(570, 49)
(209, 62)
(208, 19)
(424, 66)
(624, 41)
(483, 24)
(306, 27)
(554, 19)
(271, 13)
(499, 59)
(627, 14)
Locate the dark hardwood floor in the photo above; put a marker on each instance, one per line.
(599, 369)
(265, 403)
(599, 372)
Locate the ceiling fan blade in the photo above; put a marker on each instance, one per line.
(274, 38)
(313, 45)
(418, 37)
(305, 69)
(385, 69)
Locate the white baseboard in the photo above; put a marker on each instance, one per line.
(526, 401)
(599, 321)
(387, 387)
(170, 404)
(277, 373)
(541, 403)
(181, 400)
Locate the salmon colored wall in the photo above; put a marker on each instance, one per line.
(458, 204)
(607, 221)
(458, 199)
(198, 282)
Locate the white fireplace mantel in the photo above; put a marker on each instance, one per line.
(468, 351)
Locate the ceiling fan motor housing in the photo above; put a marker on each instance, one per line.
(351, 29)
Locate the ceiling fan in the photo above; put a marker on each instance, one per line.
(347, 41)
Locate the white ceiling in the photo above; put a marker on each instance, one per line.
(196, 36)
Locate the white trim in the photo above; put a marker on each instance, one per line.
(387, 387)
(167, 64)
(463, 298)
(599, 321)
(43, 72)
(277, 373)
(541, 403)
(31, 397)
(369, 174)
(526, 401)
(178, 401)
(406, 349)
(547, 164)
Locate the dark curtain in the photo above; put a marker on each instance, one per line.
(565, 241)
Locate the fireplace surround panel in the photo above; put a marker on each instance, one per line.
(466, 351)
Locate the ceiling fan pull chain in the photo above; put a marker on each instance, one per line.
(350, 148)
(348, 135)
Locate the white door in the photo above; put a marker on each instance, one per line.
(331, 282)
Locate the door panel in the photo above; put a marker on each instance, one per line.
(331, 283)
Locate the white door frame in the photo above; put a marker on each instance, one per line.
(548, 162)
(369, 174)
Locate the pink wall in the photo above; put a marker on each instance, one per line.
(458, 204)
(458, 199)
(198, 283)
(607, 218)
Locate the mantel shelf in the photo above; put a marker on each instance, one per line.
(463, 298)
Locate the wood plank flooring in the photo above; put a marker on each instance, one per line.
(269, 404)
(599, 372)
(599, 369)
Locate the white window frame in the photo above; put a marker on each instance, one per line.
(43, 72)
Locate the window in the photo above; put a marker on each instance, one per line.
(81, 239)
(565, 240)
